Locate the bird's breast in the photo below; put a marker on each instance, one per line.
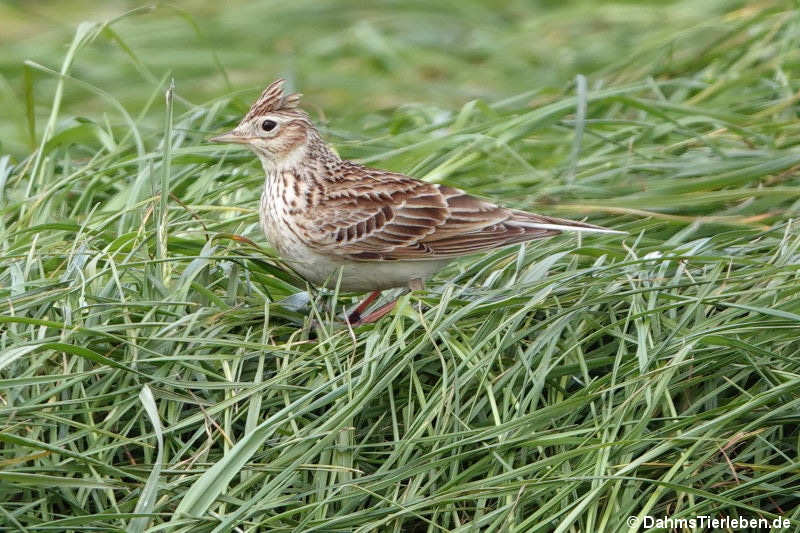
(281, 211)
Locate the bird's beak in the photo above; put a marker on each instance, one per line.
(229, 137)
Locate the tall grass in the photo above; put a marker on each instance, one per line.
(160, 369)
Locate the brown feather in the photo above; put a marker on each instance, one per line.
(413, 220)
(273, 99)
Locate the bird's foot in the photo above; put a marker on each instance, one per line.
(374, 316)
(357, 316)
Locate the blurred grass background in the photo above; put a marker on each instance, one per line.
(350, 58)
(159, 369)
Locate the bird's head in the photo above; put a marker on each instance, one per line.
(275, 128)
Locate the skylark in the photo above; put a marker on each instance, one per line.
(329, 217)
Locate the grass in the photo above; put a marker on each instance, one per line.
(160, 369)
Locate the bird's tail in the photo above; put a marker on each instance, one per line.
(530, 221)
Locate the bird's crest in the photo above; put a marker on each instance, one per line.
(274, 99)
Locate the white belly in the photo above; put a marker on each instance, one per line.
(323, 270)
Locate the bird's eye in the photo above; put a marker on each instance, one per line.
(268, 125)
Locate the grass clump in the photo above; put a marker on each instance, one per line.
(160, 369)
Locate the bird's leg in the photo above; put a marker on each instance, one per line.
(377, 314)
(415, 284)
(355, 317)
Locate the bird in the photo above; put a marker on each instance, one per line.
(335, 221)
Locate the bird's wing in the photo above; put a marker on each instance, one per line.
(385, 216)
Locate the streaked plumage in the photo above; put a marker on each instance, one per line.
(383, 229)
